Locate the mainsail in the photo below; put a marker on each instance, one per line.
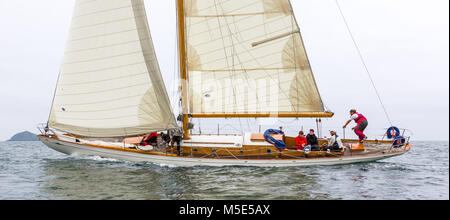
(247, 57)
(110, 84)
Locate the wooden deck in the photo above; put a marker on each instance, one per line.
(251, 151)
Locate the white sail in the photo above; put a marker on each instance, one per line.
(247, 56)
(110, 84)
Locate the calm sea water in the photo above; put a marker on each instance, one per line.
(29, 170)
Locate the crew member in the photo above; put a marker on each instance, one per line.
(177, 137)
(301, 141)
(152, 139)
(313, 140)
(335, 144)
(361, 122)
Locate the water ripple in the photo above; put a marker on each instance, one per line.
(32, 171)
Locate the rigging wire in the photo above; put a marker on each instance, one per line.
(364, 62)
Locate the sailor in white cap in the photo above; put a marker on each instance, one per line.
(335, 143)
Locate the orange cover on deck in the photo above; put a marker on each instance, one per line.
(133, 140)
(260, 137)
(358, 147)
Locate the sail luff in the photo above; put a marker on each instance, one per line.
(307, 58)
(110, 83)
(152, 63)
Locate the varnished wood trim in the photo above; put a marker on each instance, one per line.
(265, 115)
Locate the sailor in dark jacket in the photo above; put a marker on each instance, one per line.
(177, 137)
(313, 140)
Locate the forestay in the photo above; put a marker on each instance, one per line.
(110, 83)
(247, 56)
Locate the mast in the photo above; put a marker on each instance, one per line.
(183, 72)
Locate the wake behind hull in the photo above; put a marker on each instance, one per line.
(75, 149)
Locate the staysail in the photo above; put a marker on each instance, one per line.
(247, 57)
(110, 84)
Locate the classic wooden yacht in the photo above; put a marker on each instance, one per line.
(237, 59)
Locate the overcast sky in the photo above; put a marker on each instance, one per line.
(405, 43)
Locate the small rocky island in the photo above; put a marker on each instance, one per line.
(24, 136)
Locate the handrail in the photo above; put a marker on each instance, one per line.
(45, 130)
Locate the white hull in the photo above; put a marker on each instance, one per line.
(74, 149)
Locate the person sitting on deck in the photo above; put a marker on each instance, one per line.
(335, 144)
(361, 122)
(312, 140)
(152, 139)
(165, 138)
(399, 142)
(301, 141)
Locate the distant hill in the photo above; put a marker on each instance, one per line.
(24, 136)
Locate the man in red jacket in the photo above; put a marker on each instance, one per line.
(301, 141)
(151, 139)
